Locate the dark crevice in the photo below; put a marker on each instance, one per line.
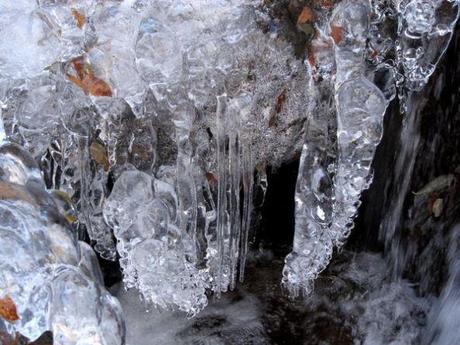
(278, 220)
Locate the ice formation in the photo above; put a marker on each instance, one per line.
(335, 167)
(176, 102)
(159, 117)
(49, 279)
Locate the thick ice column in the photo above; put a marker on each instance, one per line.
(154, 249)
(328, 193)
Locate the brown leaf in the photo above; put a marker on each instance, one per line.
(272, 122)
(212, 179)
(95, 86)
(75, 80)
(326, 4)
(8, 309)
(98, 153)
(79, 18)
(337, 33)
(280, 101)
(311, 57)
(87, 81)
(79, 66)
(306, 16)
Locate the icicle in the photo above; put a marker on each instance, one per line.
(425, 29)
(248, 185)
(325, 207)
(222, 217)
(185, 183)
(233, 212)
(234, 206)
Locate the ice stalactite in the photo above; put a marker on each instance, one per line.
(328, 193)
(330, 183)
(233, 173)
(424, 32)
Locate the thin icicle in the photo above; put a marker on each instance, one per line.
(221, 192)
(248, 186)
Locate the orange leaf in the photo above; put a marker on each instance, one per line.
(306, 16)
(8, 309)
(79, 18)
(95, 86)
(75, 80)
(87, 81)
(79, 65)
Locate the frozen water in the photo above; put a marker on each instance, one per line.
(158, 119)
(328, 192)
(154, 254)
(50, 281)
(425, 31)
(193, 95)
(335, 166)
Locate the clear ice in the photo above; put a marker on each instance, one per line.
(335, 165)
(175, 104)
(158, 119)
(50, 281)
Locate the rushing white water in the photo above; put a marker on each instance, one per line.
(443, 321)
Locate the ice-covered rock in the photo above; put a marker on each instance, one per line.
(50, 281)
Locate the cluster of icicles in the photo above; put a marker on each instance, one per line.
(101, 85)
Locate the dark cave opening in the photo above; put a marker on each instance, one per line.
(278, 221)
